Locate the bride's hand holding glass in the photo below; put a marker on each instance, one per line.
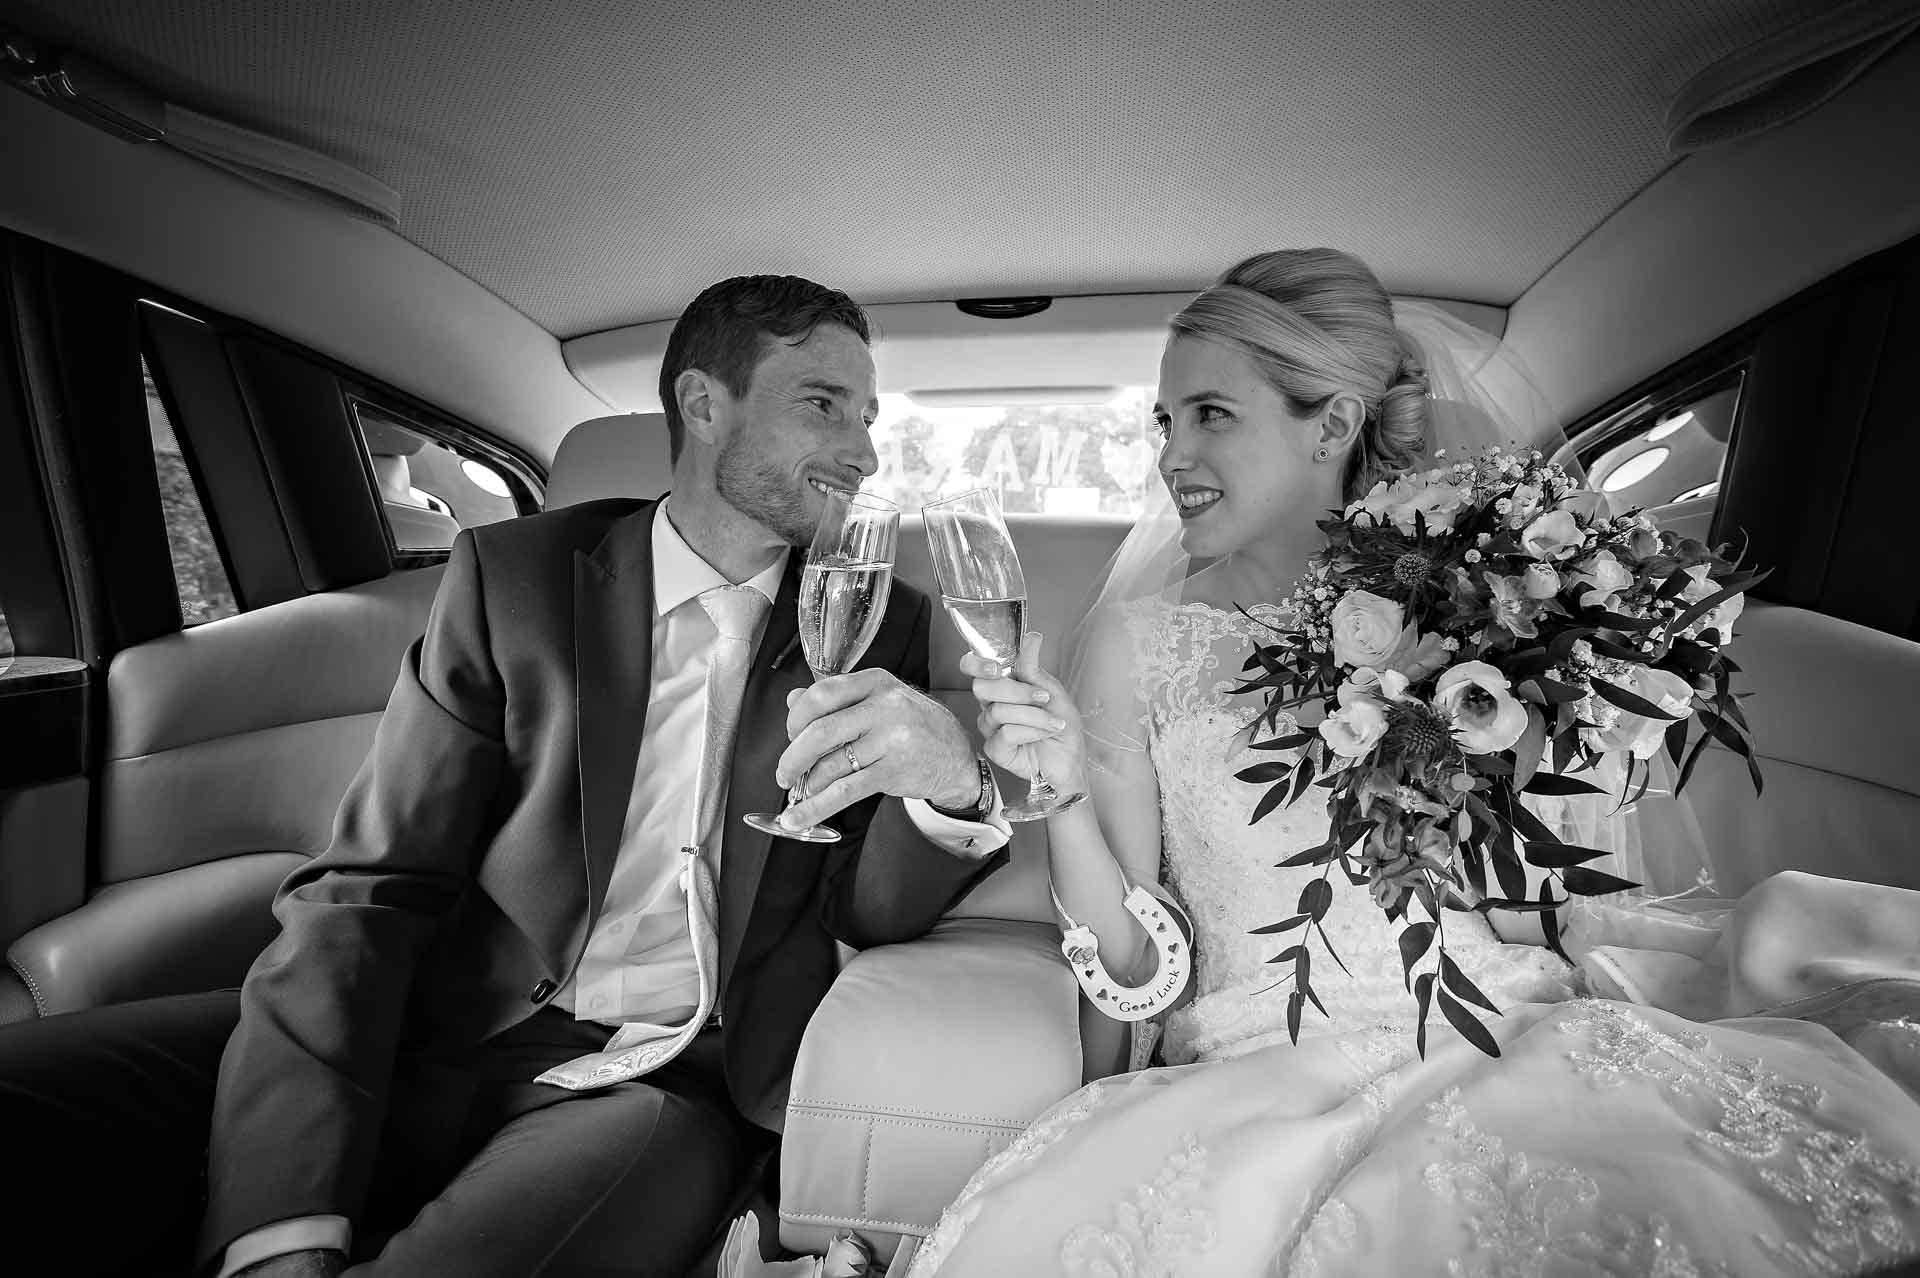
(1027, 718)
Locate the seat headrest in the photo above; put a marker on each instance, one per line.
(625, 455)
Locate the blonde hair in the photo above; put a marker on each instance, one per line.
(1316, 322)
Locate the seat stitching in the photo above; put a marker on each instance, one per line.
(33, 986)
(798, 1102)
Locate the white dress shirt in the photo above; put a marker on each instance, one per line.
(638, 964)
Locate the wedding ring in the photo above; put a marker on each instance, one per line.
(853, 760)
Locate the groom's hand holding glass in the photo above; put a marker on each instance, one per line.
(865, 733)
(1027, 719)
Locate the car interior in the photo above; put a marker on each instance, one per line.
(293, 293)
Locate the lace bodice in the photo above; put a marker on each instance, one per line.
(1185, 658)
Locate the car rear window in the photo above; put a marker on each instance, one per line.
(429, 489)
(1046, 458)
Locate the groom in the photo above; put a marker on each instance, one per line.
(535, 1008)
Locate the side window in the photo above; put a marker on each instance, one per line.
(429, 489)
(1667, 450)
(6, 641)
(198, 572)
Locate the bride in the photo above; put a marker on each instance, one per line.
(1607, 1137)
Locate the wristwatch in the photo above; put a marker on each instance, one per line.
(983, 802)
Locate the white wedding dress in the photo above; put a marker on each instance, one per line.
(1607, 1138)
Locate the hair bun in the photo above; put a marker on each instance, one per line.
(1398, 434)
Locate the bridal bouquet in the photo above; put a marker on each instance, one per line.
(1477, 633)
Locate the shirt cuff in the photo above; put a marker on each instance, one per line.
(283, 1237)
(968, 840)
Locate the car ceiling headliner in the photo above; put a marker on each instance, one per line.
(595, 162)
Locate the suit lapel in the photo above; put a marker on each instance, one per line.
(613, 672)
(756, 749)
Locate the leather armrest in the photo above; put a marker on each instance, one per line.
(924, 1060)
(199, 928)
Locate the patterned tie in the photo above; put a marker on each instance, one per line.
(638, 1047)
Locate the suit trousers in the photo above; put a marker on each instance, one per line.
(479, 1172)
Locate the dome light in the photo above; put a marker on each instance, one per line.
(1668, 424)
(485, 478)
(1634, 469)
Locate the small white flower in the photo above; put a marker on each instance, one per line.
(1474, 556)
(1450, 643)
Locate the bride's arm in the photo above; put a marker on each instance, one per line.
(1096, 743)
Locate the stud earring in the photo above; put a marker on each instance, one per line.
(1322, 453)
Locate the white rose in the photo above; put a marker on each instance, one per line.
(1540, 581)
(1722, 618)
(1486, 717)
(1603, 575)
(1638, 734)
(1366, 629)
(1355, 728)
(1555, 535)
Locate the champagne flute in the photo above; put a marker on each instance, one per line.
(843, 597)
(985, 594)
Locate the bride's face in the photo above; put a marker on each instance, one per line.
(1237, 461)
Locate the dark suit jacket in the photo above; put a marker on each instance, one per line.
(471, 854)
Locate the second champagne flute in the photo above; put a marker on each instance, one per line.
(985, 593)
(843, 597)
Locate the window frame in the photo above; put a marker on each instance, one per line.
(1686, 384)
(526, 477)
(189, 455)
(528, 489)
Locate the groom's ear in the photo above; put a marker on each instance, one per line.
(1346, 417)
(699, 397)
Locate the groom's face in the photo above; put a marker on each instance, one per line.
(802, 426)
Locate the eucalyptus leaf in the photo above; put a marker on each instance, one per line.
(1550, 922)
(1632, 702)
(1318, 855)
(1260, 773)
(1528, 750)
(1274, 929)
(1315, 899)
(1463, 1020)
(1415, 939)
(1423, 996)
(1552, 783)
(1582, 881)
(1457, 981)
(1560, 856)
